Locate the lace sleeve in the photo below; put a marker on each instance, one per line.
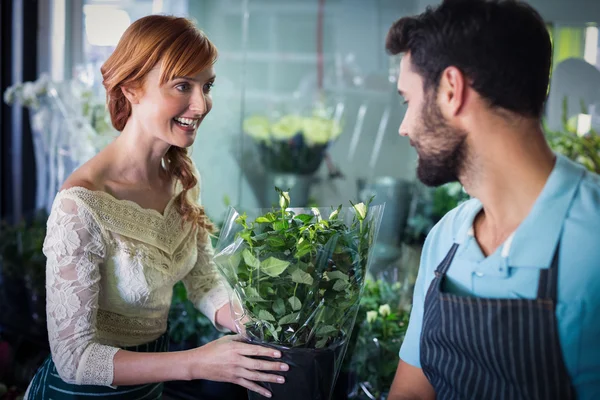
(74, 248)
(205, 286)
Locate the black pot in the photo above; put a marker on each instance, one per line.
(292, 156)
(312, 373)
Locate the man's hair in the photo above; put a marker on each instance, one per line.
(501, 46)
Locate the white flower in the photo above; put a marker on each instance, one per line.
(284, 200)
(334, 214)
(320, 131)
(361, 210)
(287, 127)
(371, 316)
(317, 213)
(11, 94)
(41, 85)
(257, 126)
(385, 310)
(29, 93)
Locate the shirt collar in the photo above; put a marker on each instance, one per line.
(536, 238)
(534, 241)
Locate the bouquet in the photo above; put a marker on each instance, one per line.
(297, 278)
(293, 143)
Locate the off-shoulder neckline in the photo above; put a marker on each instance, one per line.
(128, 203)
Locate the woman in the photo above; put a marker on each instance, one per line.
(126, 227)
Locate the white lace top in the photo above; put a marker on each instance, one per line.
(110, 274)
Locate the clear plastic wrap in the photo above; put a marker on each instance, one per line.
(297, 277)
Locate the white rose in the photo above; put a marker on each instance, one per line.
(371, 316)
(287, 127)
(284, 200)
(361, 210)
(317, 213)
(257, 126)
(334, 214)
(385, 310)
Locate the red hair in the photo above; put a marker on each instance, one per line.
(183, 50)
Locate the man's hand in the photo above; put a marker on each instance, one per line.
(410, 384)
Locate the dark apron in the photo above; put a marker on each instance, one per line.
(47, 384)
(478, 348)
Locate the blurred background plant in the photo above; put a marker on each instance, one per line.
(294, 143)
(428, 206)
(576, 140)
(378, 334)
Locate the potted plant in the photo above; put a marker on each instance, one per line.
(297, 280)
(287, 149)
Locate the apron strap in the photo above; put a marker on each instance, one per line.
(547, 286)
(445, 264)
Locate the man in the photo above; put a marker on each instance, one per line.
(507, 299)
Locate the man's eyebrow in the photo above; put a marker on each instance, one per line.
(401, 93)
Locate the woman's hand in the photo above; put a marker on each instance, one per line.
(228, 360)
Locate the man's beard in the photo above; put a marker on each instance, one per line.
(441, 148)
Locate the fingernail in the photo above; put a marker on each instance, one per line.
(280, 380)
(267, 394)
(284, 367)
(277, 354)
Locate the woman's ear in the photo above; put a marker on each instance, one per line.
(132, 94)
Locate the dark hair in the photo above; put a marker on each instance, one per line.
(501, 46)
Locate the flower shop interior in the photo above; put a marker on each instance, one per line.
(305, 100)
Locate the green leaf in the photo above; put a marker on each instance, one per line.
(265, 315)
(279, 306)
(337, 275)
(321, 343)
(241, 220)
(280, 225)
(253, 295)
(289, 319)
(340, 285)
(295, 303)
(267, 218)
(275, 241)
(272, 330)
(305, 218)
(249, 259)
(303, 250)
(246, 235)
(326, 330)
(273, 266)
(300, 276)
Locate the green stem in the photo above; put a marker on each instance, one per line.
(295, 288)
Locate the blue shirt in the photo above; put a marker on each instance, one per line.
(566, 212)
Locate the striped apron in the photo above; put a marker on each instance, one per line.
(47, 384)
(478, 348)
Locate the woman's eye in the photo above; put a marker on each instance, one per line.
(208, 87)
(183, 87)
(405, 102)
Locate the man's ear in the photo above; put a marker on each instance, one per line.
(131, 93)
(452, 91)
